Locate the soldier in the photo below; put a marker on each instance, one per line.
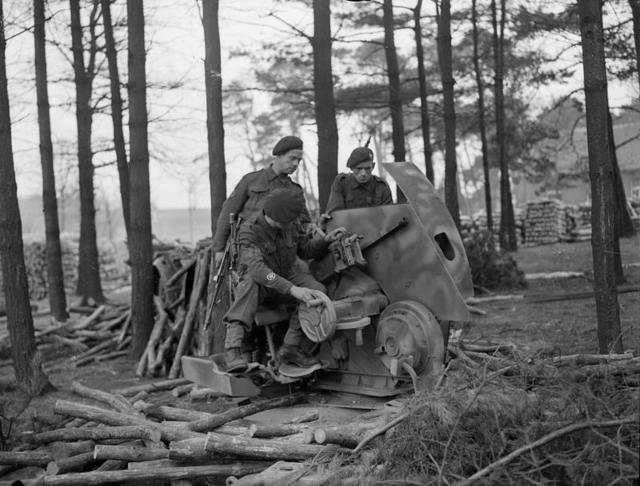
(268, 244)
(248, 196)
(360, 188)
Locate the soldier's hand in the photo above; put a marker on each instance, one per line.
(334, 234)
(306, 295)
(325, 217)
(218, 259)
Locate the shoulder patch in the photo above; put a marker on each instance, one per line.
(271, 276)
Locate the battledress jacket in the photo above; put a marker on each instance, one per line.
(247, 200)
(347, 193)
(267, 254)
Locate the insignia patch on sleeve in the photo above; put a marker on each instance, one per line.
(271, 276)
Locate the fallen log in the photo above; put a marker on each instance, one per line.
(263, 448)
(25, 458)
(68, 464)
(309, 416)
(223, 429)
(493, 298)
(94, 433)
(89, 320)
(588, 359)
(217, 420)
(202, 393)
(182, 390)
(117, 402)
(166, 412)
(154, 386)
(63, 407)
(274, 430)
(93, 478)
(128, 453)
(81, 358)
(109, 356)
(328, 436)
(112, 465)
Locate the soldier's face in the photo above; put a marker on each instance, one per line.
(287, 163)
(363, 171)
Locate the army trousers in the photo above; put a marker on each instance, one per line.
(249, 295)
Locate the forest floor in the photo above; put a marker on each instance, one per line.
(560, 327)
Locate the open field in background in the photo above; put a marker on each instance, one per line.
(565, 326)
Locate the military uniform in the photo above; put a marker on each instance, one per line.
(247, 200)
(347, 193)
(267, 273)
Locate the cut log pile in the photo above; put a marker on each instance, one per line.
(184, 310)
(545, 222)
(90, 335)
(142, 440)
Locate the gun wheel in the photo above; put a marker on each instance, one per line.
(408, 333)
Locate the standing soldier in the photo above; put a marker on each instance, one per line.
(248, 197)
(360, 188)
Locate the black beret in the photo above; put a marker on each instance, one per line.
(359, 155)
(290, 142)
(284, 205)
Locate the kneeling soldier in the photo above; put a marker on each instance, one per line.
(267, 248)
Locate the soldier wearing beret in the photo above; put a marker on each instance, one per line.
(268, 245)
(248, 196)
(360, 188)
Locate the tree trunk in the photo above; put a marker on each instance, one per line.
(324, 102)
(55, 277)
(446, 73)
(601, 175)
(89, 286)
(140, 244)
(635, 13)
(422, 82)
(26, 360)
(116, 114)
(215, 126)
(508, 240)
(483, 131)
(395, 100)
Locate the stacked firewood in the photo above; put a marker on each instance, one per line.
(545, 222)
(187, 322)
(91, 334)
(141, 438)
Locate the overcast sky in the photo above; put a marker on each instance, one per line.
(178, 117)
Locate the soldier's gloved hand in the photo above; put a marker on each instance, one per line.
(325, 217)
(218, 259)
(335, 234)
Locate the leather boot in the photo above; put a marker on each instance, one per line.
(294, 355)
(235, 360)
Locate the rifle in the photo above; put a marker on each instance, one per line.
(226, 266)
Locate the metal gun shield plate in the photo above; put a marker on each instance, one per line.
(435, 217)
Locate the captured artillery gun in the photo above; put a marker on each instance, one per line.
(394, 282)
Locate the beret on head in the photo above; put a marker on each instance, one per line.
(290, 142)
(284, 205)
(359, 155)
